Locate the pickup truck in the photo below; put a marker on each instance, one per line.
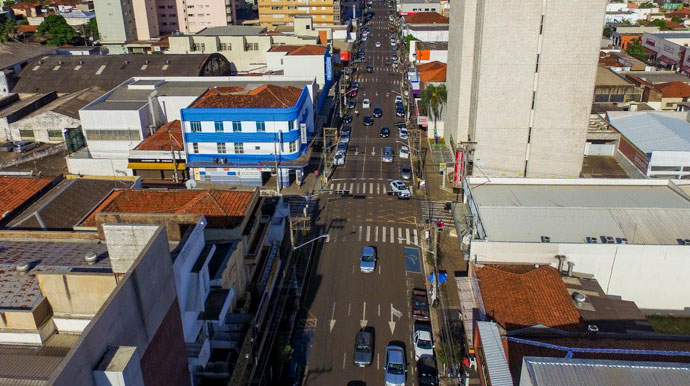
(399, 189)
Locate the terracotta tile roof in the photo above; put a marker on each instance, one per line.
(27, 28)
(432, 72)
(210, 203)
(24, 6)
(15, 191)
(674, 90)
(516, 351)
(299, 50)
(609, 61)
(266, 96)
(426, 18)
(681, 13)
(522, 296)
(170, 133)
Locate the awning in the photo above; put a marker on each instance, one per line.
(650, 51)
(666, 60)
(155, 165)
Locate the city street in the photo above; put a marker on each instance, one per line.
(340, 298)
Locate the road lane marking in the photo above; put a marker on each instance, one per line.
(379, 309)
(379, 269)
(392, 235)
(337, 187)
(331, 324)
(363, 322)
(378, 355)
(344, 356)
(368, 233)
(349, 307)
(399, 235)
(360, 233)
(384, 235)
(371, 188)
(407, 235)
(376, 234)
(414, 234)
(351, 187)
(378, 188)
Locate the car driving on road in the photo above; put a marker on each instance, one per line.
(367, 261)
(368, 120)
(396, 365)
(385, 132)
(378, 44)
(366, 103)
(387, 155)
(378, 112)
(364, 347)
(399, 189)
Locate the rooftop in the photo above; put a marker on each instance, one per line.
(265, 96)
(209, 203)
(433, 46)
(105, 71)
(18, 292)
(66, 204)
(653, 130)
(674, 89)
(300, 50)
(15, 191)
(659, 76)
(12, 53)
(606, 77)
(519, 296)
(232, 30)
(426, 18)
(167, 136)
(420, 1)
(568, 211)
(432, 72)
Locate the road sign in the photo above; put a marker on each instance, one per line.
(442, 167)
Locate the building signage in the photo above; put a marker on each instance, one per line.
(650, 42)
(329, 69)
(459, 168)
(303, 132)
(345, 56)
(442, 167)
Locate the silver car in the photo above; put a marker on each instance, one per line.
(342, 148)
(387, 155)
(396, 366)
(367, 261)
(339, 159)
(406, 172)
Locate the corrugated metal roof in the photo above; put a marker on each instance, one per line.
(494, 356)
(562, 372)
(653, 131)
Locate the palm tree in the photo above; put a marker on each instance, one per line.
(434, 98)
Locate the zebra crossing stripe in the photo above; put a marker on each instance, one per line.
(392, 235)
(371, 187)
(360, 233)
(337, 187)
(399, 236)
(414, 234)
(376, 234)
(384, 234)
(368, 233)
(351, 191)
(378, 189)
(407, 235)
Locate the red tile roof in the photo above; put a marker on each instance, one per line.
(516, 351)
(266, 96)
(299, 50)
(166, 135)
(681, 13)
(522, 296)
(210, 203)
(674, 90)
(27, 28)
(426, 18)
(24, 6)
(434, 72)
(14, 191)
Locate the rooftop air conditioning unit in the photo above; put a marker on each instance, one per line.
(621, 240)
(545, 239)
(592, 240)
(607, 240)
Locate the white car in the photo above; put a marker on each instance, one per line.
(404, 152)
(344, 138)
(339, 159)
(366, 103)
(378, 44)
(398, 188)
(398, 99)
(423, 342)
(402, 133)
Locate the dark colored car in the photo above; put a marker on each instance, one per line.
(427, 372)
(364, 347)
(370, 69)
(391, 30)
(399, 124)
(385, 132)
(346, 130)
(378, 112)
(399, 112)
(420, 304)
(394, 57)
(368, 120)
(351, 104)
(347, 118)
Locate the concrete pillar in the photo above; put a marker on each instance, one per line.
(299, 174)
(284, 177)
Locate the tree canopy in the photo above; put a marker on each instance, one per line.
(57, 30)
(434, 97)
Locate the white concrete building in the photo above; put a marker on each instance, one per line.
(668, 48)
(632, 236)
(425, 52)
(407, 7)
(520, 88)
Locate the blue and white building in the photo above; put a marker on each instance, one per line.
(243, 135)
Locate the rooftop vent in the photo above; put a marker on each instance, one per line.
(607, 240)
(579, 298)
(545, 239)
(91, 258)
(22, 267)
(592, 331)
(683, 241)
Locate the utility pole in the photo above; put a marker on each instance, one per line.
(275, 156)
(172, 151)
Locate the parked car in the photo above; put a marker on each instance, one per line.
(346, 130)
(370, 68)
(420, 304)
(398, 99)
(378, 112)
(402, 133)
(400, 112)
(367, 260)
(366, 103)
(399, 189)
(378, 44)
(339, 159)
(404, 152)
(423, 341)
(351, 104)
(385, 132)
(344, 138)
(395, 366)
(427, 372)
(342, 148)
(394, 57)
(406, 172)
(347, 118)
(7, 146)
(368, 120)
(387, 155)
(364, 347)
(24, 146)
(400, 125)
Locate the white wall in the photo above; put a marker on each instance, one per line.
(98, 167)
(274, 60)
(300, 65)
(679, 159)
(653, 276)
(429, 36)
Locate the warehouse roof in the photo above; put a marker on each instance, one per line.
(105, 71)
(12, 53)
(653, 131)
(606, 77)
(232, 30)
(569, 211)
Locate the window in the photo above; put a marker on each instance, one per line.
(55, 135)
(221, 148)
(219, 126)
(291, 125)
(252, 46)
(195, 148)
(161, 7)
(225, 47)
(236, 126)
(113, 135)
(293, 147)
(164, 23)
(196, 126)
(26, 134)
(260, 126)
(199, 47)
(239, 148)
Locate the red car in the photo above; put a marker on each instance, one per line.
(353, 93)
(420, 304)
(391, 30)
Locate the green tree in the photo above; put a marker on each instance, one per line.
(57, 30)
(637, 51)
(91, 29)
(8, 30)
(7, 3)
(648, 5)
(408, 39)
(434, 98)
(607, 32)
(659, 23)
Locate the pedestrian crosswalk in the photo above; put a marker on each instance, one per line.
(437, 210)
(377, 234)
(376, 187)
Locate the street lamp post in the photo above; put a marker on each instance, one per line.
(325, 235)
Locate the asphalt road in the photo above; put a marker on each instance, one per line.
(341, 299)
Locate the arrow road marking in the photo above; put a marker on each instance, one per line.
(394, 314)
(363, 322)
(331, 324)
